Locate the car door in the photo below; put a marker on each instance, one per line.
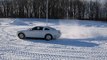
(36, 32)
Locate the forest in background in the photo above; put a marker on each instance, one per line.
(57, 9)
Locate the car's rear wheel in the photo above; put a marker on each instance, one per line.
(21, 35)
(48, 37)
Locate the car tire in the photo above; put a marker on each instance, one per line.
(21, 35)
(48, 37)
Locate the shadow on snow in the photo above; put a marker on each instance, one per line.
(68, 42)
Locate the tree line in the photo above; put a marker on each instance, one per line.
(57, 9)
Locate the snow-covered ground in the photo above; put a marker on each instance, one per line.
(80, 40)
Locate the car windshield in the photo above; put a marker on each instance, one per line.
(37, 28)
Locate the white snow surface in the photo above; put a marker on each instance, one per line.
(80, 40)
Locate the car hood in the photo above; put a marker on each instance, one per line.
(22, 31)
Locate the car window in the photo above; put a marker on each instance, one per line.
(47, 29)
(37, 28)
(40, 28)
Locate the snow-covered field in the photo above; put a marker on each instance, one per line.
(80, 40)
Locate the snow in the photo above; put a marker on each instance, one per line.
(80, 40)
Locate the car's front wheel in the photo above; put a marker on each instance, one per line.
(48, 37)
(21, 35)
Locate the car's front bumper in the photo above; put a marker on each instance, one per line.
(57, 36)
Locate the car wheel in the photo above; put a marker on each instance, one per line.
(21, 35)
(48, 37)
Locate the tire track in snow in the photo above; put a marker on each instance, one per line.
(13, 50)
(42, 55)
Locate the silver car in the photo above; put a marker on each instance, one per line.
(46, 32)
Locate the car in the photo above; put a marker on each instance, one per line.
(46, 32)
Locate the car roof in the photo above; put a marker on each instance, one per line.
(44, 26)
